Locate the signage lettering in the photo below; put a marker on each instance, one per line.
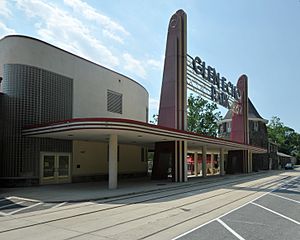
(221, 89)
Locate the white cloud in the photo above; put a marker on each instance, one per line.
(156, 64)
(4, 30)
(60, 28)
(107, 33)
(75, 31)
(134, 66)
(111, 29)
(4, 10)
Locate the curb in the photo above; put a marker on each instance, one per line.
(192, 182)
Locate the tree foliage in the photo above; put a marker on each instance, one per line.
(286, 137)
(202, 116)
(154, 119)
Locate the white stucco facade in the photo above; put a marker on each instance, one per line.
(43, 84)
(90, 81)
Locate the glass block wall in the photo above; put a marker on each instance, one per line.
(31, 96)
(1, 124)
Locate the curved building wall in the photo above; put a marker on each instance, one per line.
(43, 84)
(91, 82)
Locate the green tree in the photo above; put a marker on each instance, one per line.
(295, 151)
(286, 137)
(202, 116)
(276, 130)
(154, 119)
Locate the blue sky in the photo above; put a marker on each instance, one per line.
(259, 38)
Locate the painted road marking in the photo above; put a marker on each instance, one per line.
(245, 204)
(23, 199)
(292, 190)
(279, 214)
(22, 209)
(59, 205)
(289, 199)
(230, 229)
(235, 209)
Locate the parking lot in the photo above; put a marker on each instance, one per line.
(16, 205)
(274, 215)
(257, 206)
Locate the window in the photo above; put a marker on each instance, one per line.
(221, 128)
(114, 102)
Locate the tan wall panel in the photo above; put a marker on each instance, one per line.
(92, 158)
(130, 159)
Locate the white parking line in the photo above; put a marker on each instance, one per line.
(235, 209)
(4, 199)
(230, 229)
(24, 199)
(22, 209)
(279, 214)
(292, 200)
(292, 190)
(59, 205)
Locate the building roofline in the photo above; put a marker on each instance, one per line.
(252, 113)
(251, 119)
(35, 129)
(82, 58)
(283, 155)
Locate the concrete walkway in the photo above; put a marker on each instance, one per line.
(76, 192)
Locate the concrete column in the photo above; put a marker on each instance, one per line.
(113, 162)
(185, 179)
(180, 161)
(270, 163)
(176, 177)
(196, 163)
(249, 161)
(222, 170)
(245, 161)
(212, 158)
(204, 157)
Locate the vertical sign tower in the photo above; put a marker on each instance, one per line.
(241, 160)
(173, 102)
(180, 72)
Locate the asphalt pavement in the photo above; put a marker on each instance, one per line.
(27, 199)
(250, 206)
(275, 215)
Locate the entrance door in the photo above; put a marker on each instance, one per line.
(55, 168)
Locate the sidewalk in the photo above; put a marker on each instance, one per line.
(77, 192)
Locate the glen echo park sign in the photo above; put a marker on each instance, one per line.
(206, 80)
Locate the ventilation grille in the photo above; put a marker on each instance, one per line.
(114, 102)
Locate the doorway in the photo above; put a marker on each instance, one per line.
(55, 168)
